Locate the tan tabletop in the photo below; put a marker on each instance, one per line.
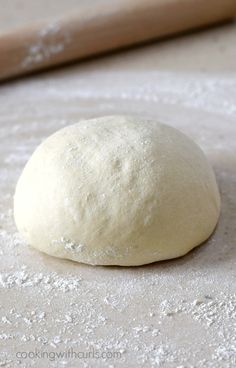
(179, 313)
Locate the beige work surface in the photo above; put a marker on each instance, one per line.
(179, 313)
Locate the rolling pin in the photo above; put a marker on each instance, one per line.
(102, 27)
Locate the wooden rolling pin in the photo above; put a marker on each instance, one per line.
(108, 25)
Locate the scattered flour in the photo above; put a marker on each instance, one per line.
(198, 91)
(176, 314)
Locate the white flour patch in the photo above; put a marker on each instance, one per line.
(50, 41)
(210, 93)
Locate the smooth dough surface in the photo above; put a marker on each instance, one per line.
(117, 190)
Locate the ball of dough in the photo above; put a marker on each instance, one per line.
(117, 191)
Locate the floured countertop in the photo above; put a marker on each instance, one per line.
(180, 313)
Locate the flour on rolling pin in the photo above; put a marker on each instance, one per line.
(49, 41)
(105, 27)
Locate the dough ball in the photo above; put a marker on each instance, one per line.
(117, 191)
